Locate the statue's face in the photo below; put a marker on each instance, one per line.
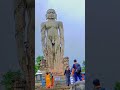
(51, 14)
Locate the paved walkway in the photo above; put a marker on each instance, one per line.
(80, 85)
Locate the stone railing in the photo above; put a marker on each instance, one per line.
(80, 85)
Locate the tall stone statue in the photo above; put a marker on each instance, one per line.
(53, 41)
(25, 49)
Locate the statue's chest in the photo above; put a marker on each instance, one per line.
(51, 25)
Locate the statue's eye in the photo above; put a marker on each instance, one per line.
(52, 12)
(48, 12)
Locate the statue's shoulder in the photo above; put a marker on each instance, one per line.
(60, 23)
(43, 24)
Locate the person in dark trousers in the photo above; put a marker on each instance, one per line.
(97, 85)
(67, 74)
(77, 71)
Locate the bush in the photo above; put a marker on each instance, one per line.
(9, 77)
(117, 86)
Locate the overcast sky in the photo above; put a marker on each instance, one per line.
(72, 14)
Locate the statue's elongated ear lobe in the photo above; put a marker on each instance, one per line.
(46, 16)
(56, 16)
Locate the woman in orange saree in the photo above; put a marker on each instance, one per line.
(48, 81)
(52, 82)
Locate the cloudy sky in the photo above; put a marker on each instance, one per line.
(72, 14)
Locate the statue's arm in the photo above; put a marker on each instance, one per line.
(61, 30)
(43, 36)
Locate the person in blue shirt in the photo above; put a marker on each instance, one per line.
(77, 71)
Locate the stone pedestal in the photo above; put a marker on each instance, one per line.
(57, 70)
(65, 62)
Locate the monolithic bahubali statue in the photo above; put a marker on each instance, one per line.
(53, 41)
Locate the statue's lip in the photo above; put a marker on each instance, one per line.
(51, 18)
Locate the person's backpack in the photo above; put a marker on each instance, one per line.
(77, 68)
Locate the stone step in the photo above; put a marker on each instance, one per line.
(56, 88)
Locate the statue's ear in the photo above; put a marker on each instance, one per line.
(56, 16)
(46, 16)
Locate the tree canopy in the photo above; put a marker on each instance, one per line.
(38, 61)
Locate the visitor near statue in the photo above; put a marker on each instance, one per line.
(76, 71)
(67, 74)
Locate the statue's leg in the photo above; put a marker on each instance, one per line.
(31, 47)
(62, 56)
(57, 54)
(50, 54)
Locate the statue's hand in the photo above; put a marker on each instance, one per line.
(61, 40)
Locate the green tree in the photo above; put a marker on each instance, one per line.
(36, 68)
(38, 61)
(83, 64)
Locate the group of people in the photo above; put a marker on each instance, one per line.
(49, 80)
(74, 72)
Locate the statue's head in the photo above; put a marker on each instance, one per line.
(51, 14)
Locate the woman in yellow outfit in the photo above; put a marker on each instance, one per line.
(48, 81)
